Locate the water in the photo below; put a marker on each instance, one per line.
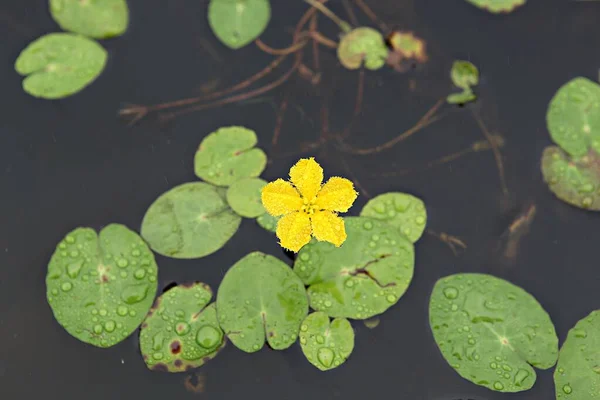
(73, 162)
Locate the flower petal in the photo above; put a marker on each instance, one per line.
(280, 197)
(337, 194)
(293, 231)
(307, 176)
(328, 227)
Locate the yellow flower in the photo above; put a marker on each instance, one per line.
(308, 208)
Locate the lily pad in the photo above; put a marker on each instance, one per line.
(464, 97)
(577, 373)
(574, 181)
(401, 210)
(100, 19)
(191, 220)
(228, 155)
(181, 330)
(362, 46)
(100, 287)
(573, 117)
(238, 22)
(326, 345)
(498, 6)
(261, 298)
(362, 278)
(464, 74)
(60, 64)
(491, 332)
(244, 197)
(407, 45)
(268, 222)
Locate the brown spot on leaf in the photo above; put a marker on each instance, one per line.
(145, 325)
(161, 367)
(104, 278)
(175, 347)
(178, 363)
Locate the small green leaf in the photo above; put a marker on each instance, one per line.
(574, 181)
(261, 298)
(100, 19)
(498, 6)
(60, 64)
(189, 221)
(404, 211)
(577, 373)
(228, 155)
(464, 97)
(464, 74)
(573, 117)
(101, 287)
(268, 222)
(362, 278)
(238, 22)
(244, 197)
(491, 331)
(326, 345)
(363, 45)
(181, 330)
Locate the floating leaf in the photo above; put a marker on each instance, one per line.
(99, 19)
(577, 373)
(326, 345)
(466, 96)
(101, 287)
(362, 45)
(372, 323)
(464, 74)
(498, 6)
(401, 210)
(191, 220)
(238, 22)
(573, 117)
(408, 46)
(244, 197)
(268, 222)
(261, 298)
(491, 331)
(362, 278)
(60, 64)
(228, 155)
(181, 332)
(574, 181)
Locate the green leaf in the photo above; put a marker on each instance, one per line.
(573, 117)
(404, 211)
(244, 197)
(498, 6)
(268, 222)
(99, 19)
(362, 278)
(261, 298)
(491, 331)
(577, 373)
(464, 97)
(228, 155)
(181, 330)
(189, 221)
(236, 23)
(362, 45)
(101, 287)
(464, 74)
(326, 345)
(574, 181)
(60, 64)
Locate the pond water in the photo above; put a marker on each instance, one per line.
(74, 162)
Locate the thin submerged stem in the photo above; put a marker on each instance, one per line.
(343, 25)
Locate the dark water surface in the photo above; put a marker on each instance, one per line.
(74, 163)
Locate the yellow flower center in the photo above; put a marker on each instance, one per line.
(309, 206)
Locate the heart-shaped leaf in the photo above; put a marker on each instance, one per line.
(100, 287)
(259, 299)
(362, 278)
(99, 19)
(326, 345)
(243, 197)
(491, 332)
(238, 22)
(181, 330)
(362, 46)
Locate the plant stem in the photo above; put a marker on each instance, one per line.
(344, 26)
